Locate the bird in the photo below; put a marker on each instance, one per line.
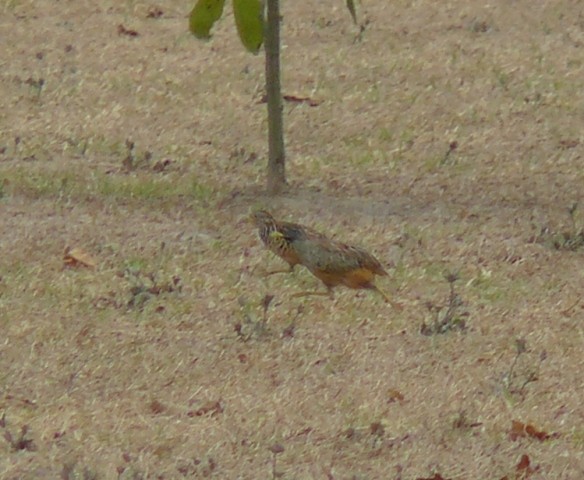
(267, 224)
(334, 263)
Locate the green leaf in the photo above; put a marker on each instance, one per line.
(352, 10)
(204, 14)
(249, 19)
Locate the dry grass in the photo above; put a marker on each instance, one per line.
(161, 363)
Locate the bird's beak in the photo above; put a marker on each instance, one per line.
(276, 234)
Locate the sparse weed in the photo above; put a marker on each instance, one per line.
(36, 86)
(197, 468)
(17, 442)
(77, 145)
(255, 319)
(276, 449)
(370, 435)
(503, 78)
(253, 324)
(144, 286)
(571, 239)
(74, 471)
(452, 146)
(449, 317)
(462, 422)
(524, 369)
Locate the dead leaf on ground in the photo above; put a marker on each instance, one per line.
(276, 448)
(296, 99)
(524, 430)
(213, 408)
(77, 257)
(127, 31)
(161, 165)
(243, 358)
(394, 395)
(436, 476)
(523, 469)
(154, 12)
(567, 143)
(156, 407)
(309, 101)
(288, 332)
(377, 429)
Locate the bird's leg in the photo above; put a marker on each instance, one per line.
(287, 270)
(328, 293)
(306, 294)
(395, 305)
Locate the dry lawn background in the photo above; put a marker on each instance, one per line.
(158, 363)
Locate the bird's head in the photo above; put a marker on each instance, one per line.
(261, 217)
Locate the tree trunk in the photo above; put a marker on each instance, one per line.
(276, 156)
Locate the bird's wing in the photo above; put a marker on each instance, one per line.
(366, 260)
(336, 257)
(295, 231)
(317, 252)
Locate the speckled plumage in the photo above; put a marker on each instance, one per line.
(333, 263)
(267, 225)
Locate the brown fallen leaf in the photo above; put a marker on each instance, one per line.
(276, 448)
(161, 165)
(77, 257)
(377, 429)
(524, 430)
(295, 99)
(436, 476)
(394, 395)
(154, 12)
(156, 407)
(213, 408)
(523, 469)
(569, 143)
(122, 30)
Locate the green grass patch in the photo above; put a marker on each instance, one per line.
(75, 186)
